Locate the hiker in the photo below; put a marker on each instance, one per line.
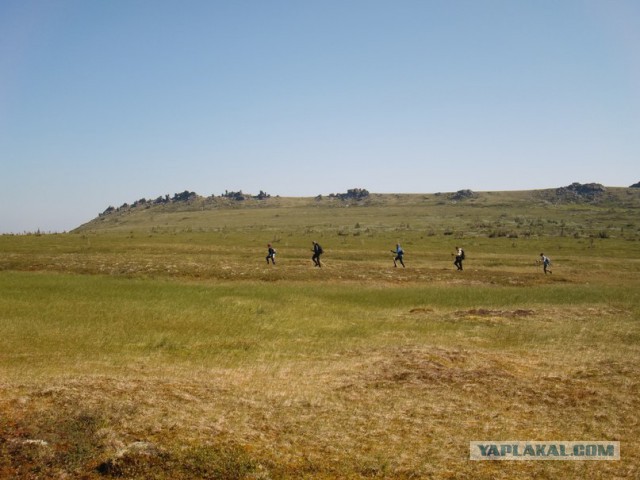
(399, 253)
(317, 251)
(546, 263)
(271, 255)
(459, 258)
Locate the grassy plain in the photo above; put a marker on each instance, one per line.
(157, 343)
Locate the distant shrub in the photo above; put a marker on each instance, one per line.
(499, 233)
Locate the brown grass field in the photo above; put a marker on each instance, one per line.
(157, 343)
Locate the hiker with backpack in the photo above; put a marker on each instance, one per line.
(271, 255)
(317, 251)
(399, 253)
(546, 263)
(459, 258)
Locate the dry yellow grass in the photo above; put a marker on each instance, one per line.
(402, 410)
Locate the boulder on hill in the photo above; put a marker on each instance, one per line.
(352, 194)
(577, 191)
(184, 196)
(462, 195)
(262, 195)
(238, 196)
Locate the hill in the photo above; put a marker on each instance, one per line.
(579, 210)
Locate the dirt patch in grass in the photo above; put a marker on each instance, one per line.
(483, 312)
(421, 310)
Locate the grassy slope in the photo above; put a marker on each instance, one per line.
(158, 344)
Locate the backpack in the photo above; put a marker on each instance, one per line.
(320, 251)
(462, 256)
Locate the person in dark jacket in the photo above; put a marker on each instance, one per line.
(271, 255)
(317, 251)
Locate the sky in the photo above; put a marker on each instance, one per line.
(107, 102)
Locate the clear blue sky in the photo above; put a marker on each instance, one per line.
(106, 102)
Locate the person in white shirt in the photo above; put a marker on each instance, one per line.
(459, 257)
(546, 263)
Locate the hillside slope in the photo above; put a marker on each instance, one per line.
(573, 210)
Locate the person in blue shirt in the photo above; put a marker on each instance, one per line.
(399, 253)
